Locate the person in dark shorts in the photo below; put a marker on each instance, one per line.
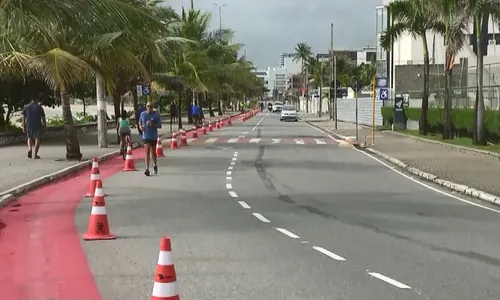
(34, 125)
(195, 113)
(149, 122)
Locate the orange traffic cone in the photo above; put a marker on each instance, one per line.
(159, 148)
(221, 123)
(98, 228)
(203, 129)
(195, 132)
(184, 140)
(210, 128)
(229, 122)
(173, 142)
(94, 176)
(217, 124)
(165, 284)
(129, 164)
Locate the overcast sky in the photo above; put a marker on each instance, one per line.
(271, 27)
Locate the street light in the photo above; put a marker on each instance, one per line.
(219, 6)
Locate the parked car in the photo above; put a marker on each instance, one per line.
(277, 106)
(289, 112)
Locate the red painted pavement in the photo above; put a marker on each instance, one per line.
(41, 256)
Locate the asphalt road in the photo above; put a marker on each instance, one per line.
(254, 217)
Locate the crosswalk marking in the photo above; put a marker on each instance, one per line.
(232, 140)
(254, 140)
(276, 141)
(211, 140)
(299, 141)
(321, 142)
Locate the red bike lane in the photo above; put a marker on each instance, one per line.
(41, 256)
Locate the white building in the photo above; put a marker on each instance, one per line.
(292, 67)
(275, 79)
(408, 50)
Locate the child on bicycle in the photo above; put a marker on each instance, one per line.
(123, 128)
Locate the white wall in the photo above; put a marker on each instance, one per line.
(346, 111)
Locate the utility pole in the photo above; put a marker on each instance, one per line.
(331, 73)
(220, 18)
(192, 4)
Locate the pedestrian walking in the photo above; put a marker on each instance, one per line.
(150, 121)
(34, 125)
(173, 111)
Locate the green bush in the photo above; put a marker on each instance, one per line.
(462, 119)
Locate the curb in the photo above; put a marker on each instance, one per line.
(424, 140)
(11, 194)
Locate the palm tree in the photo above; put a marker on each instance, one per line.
(453, 23)
(319, 72)
(415, 17)
(302, 53)
(479, 12)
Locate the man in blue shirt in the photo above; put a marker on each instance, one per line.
(34, 124)
(195, 113)
(149, 122)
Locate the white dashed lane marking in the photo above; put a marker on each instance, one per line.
(228, 173)
(233, 194)
(288, 233)
(328, 253)
(389, 280)
(229, 186)
(244, 205)
(261, 218)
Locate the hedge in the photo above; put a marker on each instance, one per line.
(462, 119)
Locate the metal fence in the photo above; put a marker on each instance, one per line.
(463, 87)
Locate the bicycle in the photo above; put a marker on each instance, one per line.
(125, 141)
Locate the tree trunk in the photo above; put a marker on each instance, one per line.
(118, 107)
(320, 99)
(210, 108)
(219, 104)
(425, 95)
(448, 103)
(102, 125)
(72, 144)
(136, 105)
(481, 134)
(179, 109)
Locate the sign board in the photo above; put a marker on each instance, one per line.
(399, 113)
(139, 90)
(384, 94)
(146, 90)
(406, 100)
(381, 82)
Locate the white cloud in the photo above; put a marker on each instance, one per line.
(270, 27)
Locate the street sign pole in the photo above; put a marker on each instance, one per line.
(357, 91)
(335, 88)
(374, 89)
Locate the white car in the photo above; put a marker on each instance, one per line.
(277, 106)
(289, 112)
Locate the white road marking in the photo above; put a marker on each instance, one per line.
(236, 152)
(190, 140)
(229, 186)
(228, 178)
(426, 185)
(234, 158)
(254, 140)
(232, 140)
(320, 142)
(338, 141)
(316, 128)
(230, 167)
(328, 253)
(288, 233)
(211, 140)
(299, 141)
(389, 280)
(233, 194)
(253, 129)
(244, 132)
(229, 173)
(276, 141)
(261, 217)
(233, 163)
(244, 205)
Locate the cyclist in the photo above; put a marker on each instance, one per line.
(149, 122)
(123, 129)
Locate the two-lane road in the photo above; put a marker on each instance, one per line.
(279, 210)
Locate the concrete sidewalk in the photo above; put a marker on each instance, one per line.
(18, 169)
(472, 169)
